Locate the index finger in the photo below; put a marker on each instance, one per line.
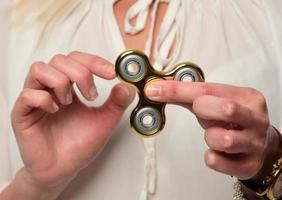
(186, 92)
(95, 64)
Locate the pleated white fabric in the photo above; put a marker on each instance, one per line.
(234, 41)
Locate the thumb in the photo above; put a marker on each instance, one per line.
(120, 98)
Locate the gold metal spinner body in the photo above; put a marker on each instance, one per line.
(133, 67)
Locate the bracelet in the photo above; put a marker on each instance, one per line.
(269, 181)
(264, 188)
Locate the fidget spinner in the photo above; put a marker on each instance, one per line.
(133, 67)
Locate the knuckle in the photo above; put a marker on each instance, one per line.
(25, 93)
(98, 61)
(36, 67)
(45, 97)
(83, 75)
(204, 89)
(251, 91)
(58, 84)
(257, 97)
(230, 109)
(58, 59)
(74, 54)
(227, 142)
(210, 160)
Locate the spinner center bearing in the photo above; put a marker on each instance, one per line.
(133, 67)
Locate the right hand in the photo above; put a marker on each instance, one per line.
(56, 133)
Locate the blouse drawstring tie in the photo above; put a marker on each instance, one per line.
(169, 38)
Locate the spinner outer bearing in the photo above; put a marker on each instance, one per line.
(133, 67)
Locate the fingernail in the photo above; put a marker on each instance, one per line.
(153, 91)
(93, 93)
(55, 107)
(69, 98)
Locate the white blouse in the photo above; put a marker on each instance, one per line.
(234, 41)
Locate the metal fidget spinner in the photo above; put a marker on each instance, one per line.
(133, 67)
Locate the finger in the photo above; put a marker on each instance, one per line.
(228, 141)
(205, 124)
(30, 107)
(187, 92)
(121, 96)
(42, 75)
(221, 109)
(239, 165)
(30, 99)
(77, 73)
(95, 64)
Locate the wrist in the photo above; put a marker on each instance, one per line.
(24, 187)
(40, 191)
(263, 183)
(272, 154)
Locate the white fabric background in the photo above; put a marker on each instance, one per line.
(5, 174)
(233, 41)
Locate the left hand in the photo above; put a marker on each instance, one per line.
(235, 119)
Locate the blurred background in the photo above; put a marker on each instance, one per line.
(3, 88)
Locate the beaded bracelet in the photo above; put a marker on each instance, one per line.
(265, 190)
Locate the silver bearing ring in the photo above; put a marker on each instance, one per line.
(186, 74)
(132, 68)
(147, 121)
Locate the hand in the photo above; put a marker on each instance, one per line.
(56, 133)
(235, 119)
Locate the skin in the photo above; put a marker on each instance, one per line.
(236, 123)
(47, 117)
